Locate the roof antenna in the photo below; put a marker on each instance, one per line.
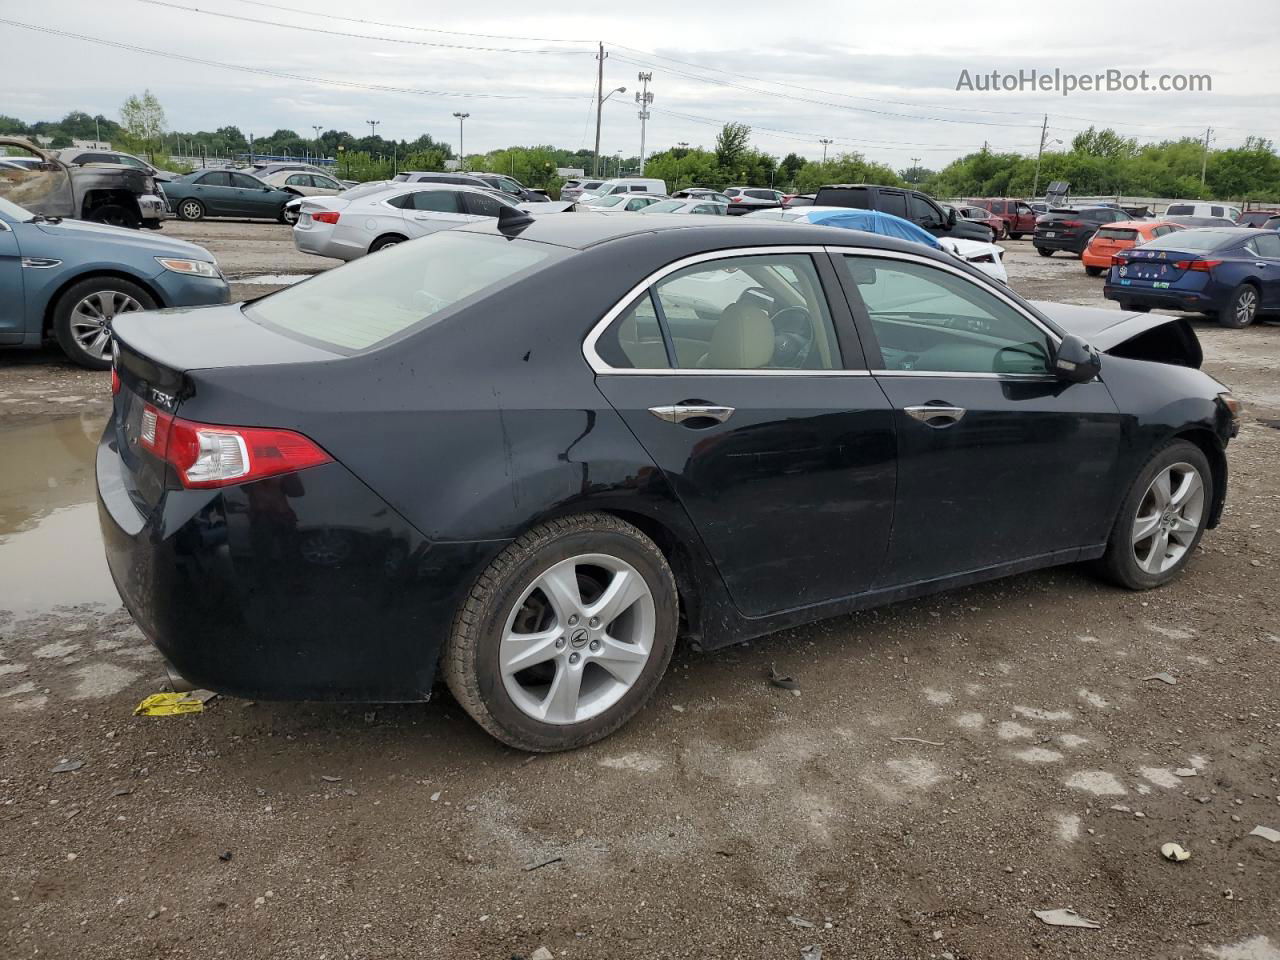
(513, 219)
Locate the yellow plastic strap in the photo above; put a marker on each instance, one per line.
(167, 705)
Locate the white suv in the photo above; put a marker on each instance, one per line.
(745, 199)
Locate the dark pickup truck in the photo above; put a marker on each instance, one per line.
(102, 193)
(910, 205)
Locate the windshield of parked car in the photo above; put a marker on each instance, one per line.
(610, 201)
(1192, 240)
(13, 211)
(402, 289)
(664, 206)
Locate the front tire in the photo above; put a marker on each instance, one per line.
(83, 315)
(1093, 271)
(1044, 251)
(1162, 518)
(1241, 309)
(115, 215)
(1015, 236)
(190, 210)
(566, 634)
(286, 216)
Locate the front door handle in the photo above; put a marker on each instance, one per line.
(680, 412)
(936, 415)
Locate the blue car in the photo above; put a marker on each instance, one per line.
(1230, 273)
(69, 279)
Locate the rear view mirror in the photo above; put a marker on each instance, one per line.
(1076, 361)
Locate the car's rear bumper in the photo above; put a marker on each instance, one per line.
(154, 210)
(1091, 259)
(1168, 298)
(306, 586)
(1075, 243)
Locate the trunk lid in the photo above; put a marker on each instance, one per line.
(1153, 268)
(156, 353)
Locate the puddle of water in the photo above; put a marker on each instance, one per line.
(50, 547)
(276, 279)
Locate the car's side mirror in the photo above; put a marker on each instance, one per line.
(1075, 361)
(951, 217)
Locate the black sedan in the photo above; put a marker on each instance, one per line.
(529, 455)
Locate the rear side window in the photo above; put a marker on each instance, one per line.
(1268, 245)
(403, 289)
(219, 178)
(763, 312)
(891, 201)
(1215, 211)
(439, 201)
(852, 197)
(1180, 210)
(634, 341)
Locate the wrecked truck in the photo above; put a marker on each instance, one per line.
(102, 193)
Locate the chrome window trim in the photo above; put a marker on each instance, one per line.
(600, 367)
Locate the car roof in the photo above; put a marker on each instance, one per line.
(580, 231)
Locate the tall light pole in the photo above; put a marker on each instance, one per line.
(1044, 132)
(601, 97)
(684, 149)
(643, 98)
(462, 154)
(825, 143)
(1204, 158)
(319, 146)
(915, 169)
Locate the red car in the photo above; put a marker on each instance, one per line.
(1018, 216)
(982, 215)
(1266, 219)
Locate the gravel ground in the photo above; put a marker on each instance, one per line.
(947, 767)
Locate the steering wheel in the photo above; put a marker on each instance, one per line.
(792, 336)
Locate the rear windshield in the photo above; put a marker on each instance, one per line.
(1256, 217)
(386, 294)
(1192, 240)
(1116, 233)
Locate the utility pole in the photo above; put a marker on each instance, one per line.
(825, 142)
(373, 128)
(462, 154)
(1204, 158)
(595, 164)
(1044, 130)
(915, 169)
(643, 98)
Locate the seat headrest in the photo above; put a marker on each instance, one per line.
(742, 340)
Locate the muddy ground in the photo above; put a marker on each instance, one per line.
(948, 766)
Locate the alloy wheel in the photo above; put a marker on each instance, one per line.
(91, 320)
(1246, 306)
(577, 639)
(1168, 518)
(191, 210)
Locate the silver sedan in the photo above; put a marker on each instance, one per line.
(374, 216)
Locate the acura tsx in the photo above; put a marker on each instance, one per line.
(528, 455)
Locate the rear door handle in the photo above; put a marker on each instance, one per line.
(936, 415)
(680, 412)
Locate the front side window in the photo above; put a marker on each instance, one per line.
(765, 312)
(1268, 245)
(245, 182)
(929, 319)
(325, 183)
(483, 204)
(922, 212)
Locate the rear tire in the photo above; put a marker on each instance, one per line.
(1241, 309)
(287, 217)
(83, 315)
(1044, 251)
(1144, 510)
(592, 554)
(1093, 271)
(190, 210)
(1015, 236)
(390, 240)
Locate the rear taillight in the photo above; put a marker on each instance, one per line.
(211, 455)
(115, 380)
(327, 217)
(1118, 261)
(735, 199)
(1071, 223)
(1201, 266)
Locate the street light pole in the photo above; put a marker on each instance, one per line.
(373, 128)
(825, 143)
(462, 154)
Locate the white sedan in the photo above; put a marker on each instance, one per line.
(688, 206)
(374, 216)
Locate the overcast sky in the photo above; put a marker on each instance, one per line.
(875, 77)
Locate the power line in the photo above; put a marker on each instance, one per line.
(406, 26)
(262, 71)
(350, 36)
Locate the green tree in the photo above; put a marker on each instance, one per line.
(731, 145)
(143, 117)
(845, 168)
